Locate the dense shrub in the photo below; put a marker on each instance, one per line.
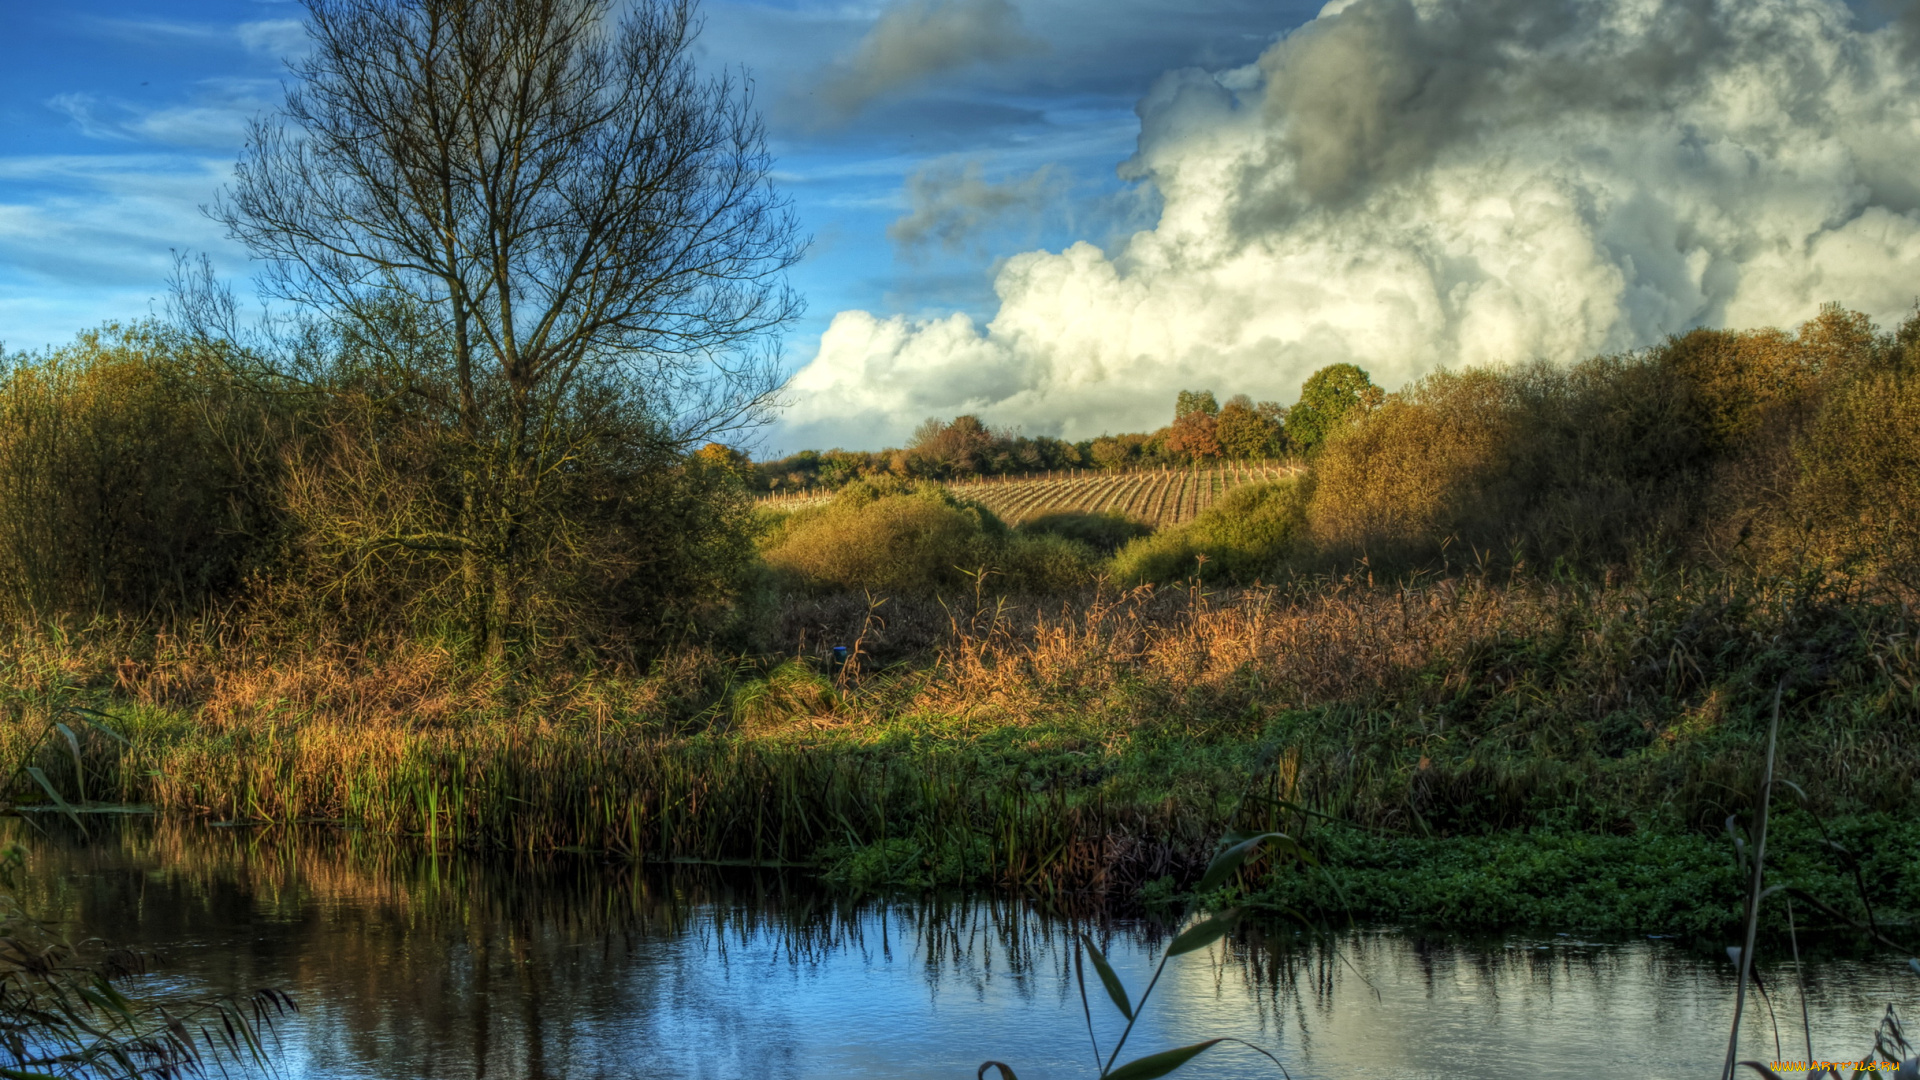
(135, 478)
(1760, 447)
(1426, 463)
(1583, 465)
(1044, 563)
(884, 534)
(631, 541)
(144, 472)
(1240, 538)
(1106, 531)
(1854, 503)
(900, 536)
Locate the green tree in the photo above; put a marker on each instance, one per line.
(1328, 399)
(1117, 451)
(1244, 432)
(1194, 401)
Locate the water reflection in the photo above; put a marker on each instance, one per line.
(412, 964)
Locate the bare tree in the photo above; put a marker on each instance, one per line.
(533, 213)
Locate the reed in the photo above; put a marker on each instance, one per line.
(1093, 745)
(67, 1011)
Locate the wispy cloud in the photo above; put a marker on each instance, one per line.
(274, 37)
(148, 29)
(86, 237)
(215, 120)
(917, 39)
(269, 37)
(950, 201)
(83, 110)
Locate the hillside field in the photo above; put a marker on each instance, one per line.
(1162, 496)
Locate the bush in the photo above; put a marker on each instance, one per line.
(1243, 536)
(1106, 532)
(1762, 445)
(1582, 466)
(1045, 563)
(888, 535)
(133, 479)
(1427, 463)
(633, 542)
(1855, 502)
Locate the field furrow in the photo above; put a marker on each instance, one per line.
(1158, 496)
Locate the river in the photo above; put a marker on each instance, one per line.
(410, 963)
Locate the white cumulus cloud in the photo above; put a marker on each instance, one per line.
(1408, 184)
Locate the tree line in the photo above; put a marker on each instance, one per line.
(1202, 431)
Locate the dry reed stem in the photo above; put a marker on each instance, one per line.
(1498, 684)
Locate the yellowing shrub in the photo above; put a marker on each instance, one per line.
(1428, 463)
(133, 480)
(893, 536)
(1240, 538)
(1856, 500)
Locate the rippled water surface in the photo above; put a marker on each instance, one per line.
(408, 964)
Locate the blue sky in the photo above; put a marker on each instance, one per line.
(1058, 213)
(123, 118)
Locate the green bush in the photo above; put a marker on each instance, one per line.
(891, 535)
(1045, 563)
(1243, 536)
(886, 535)
(1105, 532)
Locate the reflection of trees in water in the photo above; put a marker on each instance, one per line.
(538, 967)
(499, 966)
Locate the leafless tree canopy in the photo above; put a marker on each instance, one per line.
(552, 262)
(558, 186)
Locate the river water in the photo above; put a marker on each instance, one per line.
(409, 963)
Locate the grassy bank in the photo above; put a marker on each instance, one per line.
(1097, 745)
(1657, 880)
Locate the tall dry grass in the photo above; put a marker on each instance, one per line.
(1097, 742)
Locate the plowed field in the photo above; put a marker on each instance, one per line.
(1156, 496)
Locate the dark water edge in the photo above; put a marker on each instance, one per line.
(412, 963)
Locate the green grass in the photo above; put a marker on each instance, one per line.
(1654, 880)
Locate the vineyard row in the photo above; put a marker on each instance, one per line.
(1163, 496)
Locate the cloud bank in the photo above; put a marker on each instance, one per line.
(916, 39)
(1408, 184)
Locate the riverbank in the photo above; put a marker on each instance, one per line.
(1458, 751)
